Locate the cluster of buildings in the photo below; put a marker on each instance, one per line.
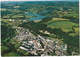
(39, 45)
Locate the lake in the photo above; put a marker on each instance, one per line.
(38, 16)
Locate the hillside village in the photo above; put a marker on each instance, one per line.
(39, 45)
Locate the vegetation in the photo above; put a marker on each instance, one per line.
(62, 22)
(64, 25)
(11, 54)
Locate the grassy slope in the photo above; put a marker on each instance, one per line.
(11, 54)
(64, 25)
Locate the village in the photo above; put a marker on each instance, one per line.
(39, 45)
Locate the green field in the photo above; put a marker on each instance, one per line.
(64, 25)
(11, 54)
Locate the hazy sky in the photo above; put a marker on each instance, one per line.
(39, 0)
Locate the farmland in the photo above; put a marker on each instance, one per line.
(64, 25)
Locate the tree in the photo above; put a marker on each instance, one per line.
(46, 19)
(4, 49)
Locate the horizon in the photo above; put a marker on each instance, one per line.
(36, 0)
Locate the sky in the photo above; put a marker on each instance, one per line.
(38, 0)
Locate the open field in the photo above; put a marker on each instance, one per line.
(64, 25)
(56, 20)
(76, 30)
(59, 19)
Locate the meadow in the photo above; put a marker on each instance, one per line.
(64, 25)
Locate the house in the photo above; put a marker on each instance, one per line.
(23, 48)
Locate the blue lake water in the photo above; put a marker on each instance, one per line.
(38, 16)
(32, 14)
